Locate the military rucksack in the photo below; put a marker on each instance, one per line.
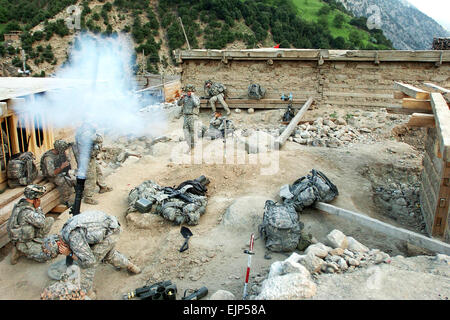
(281, 227)
(304, 192)
(21, 169)
(255, 91)
(16, 232)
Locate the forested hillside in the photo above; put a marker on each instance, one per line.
(156, 30)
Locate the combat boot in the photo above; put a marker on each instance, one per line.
(15, 255)
(90, 201)
(105, 189)
(132, 268)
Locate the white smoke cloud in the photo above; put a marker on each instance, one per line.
(100, 70)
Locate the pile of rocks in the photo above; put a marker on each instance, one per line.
(293, 278)
(331, 133)
(401, 202)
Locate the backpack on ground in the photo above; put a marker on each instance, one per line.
(21, 169)
(304, 192)
(255, 91)
(281, 227)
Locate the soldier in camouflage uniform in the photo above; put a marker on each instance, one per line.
(216, 92)
(190, 109)
(87, 135)
(90, 238)
(27, 226)
(55, 166)
(220, 126)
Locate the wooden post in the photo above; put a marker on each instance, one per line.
(291, 126)
(185, 36)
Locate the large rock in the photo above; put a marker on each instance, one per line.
(222, 295)
(292, 286)
(245, 213)
(290, 265)
(311, 262)
(356, 246)
(336, 239)
(319, 250)
(258, 141)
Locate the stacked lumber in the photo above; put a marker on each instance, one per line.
(441, 44)
(415, 102)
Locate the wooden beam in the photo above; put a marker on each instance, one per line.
(293, 124)
(411, 91)
(411, 103)
(442, 210)
(442, 116)
(421, 120)
(255, 104)
(436, 87)
(379, 226)
(400, 95)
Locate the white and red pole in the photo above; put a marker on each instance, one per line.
(250, 253)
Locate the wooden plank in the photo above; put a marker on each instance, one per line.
(13, 194)
(436, 87)
(293, 124)
(359, 95)
(379, 226)
(411, 91)
(313, 54)
(442, 116)
(60, 208)
(400, 95)
(411, 103)
(421, 120)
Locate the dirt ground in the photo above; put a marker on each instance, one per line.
(215, 257)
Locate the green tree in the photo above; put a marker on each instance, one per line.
(338, 20)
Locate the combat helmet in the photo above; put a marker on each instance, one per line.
(61, 145)
(34, 191)
(189, 87)
(208, 81)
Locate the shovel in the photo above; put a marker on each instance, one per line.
(186, 233)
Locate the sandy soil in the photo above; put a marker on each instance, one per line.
(215, 257)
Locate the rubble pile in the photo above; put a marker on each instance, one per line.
(294, 277)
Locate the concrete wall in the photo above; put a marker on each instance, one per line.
(350, 83)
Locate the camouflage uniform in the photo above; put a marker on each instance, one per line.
(94, 175)
(190, 110)
(27, 226)
(216, 93)
(92, 236)
(52, 160)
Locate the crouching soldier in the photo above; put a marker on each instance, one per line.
(55, 166)
(27, 226)
(216, 92)
(90, 238)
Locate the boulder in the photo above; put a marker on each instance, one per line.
(336, 239)
(258, 142)
(245, 213)
(222, 295)
(319, 250)
(312, 263)
(292, 286)
(355, 246)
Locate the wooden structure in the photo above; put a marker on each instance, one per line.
(23, 132)
(350, 78)
(435, 185)
(12, 36)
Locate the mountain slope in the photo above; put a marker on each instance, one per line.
(156, 30)
(406, 26)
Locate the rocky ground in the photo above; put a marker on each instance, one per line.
(374, 167)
